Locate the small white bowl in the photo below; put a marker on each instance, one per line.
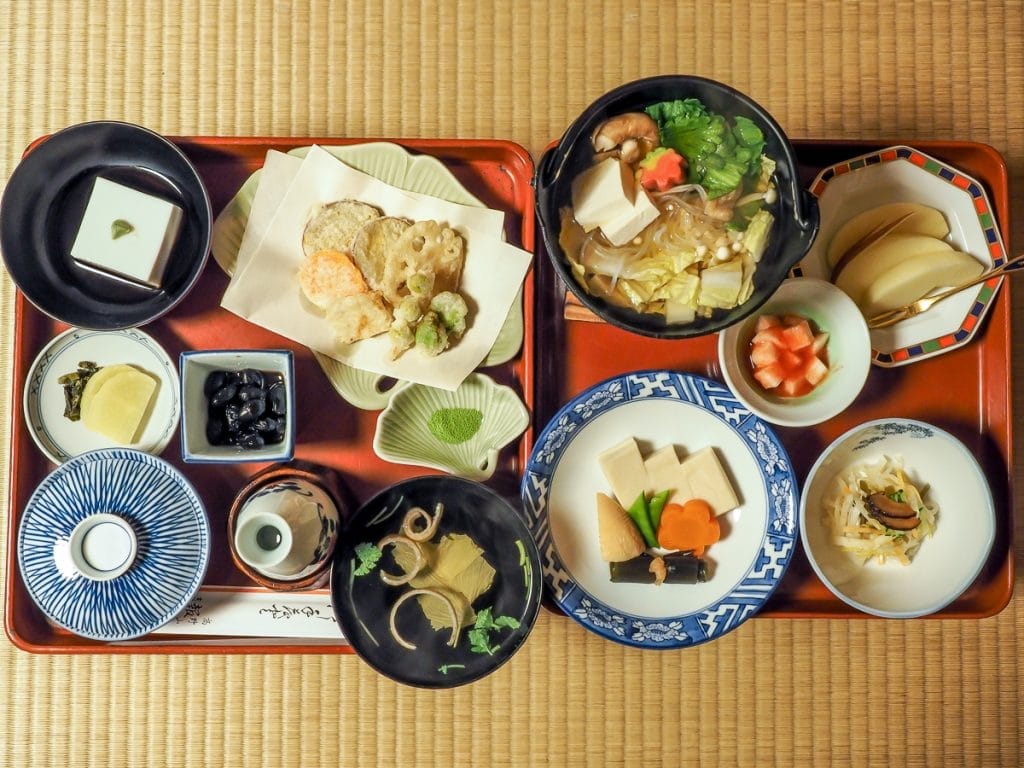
(947, 562)
(848, 354)
(195, 367)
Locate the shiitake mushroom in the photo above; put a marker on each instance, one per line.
(897, 515)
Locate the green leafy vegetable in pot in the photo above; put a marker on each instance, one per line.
(720, 156)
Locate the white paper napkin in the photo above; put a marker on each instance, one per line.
(265, 290)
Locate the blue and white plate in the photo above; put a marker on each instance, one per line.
(132, 497)
(660, 408)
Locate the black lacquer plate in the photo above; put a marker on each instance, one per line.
(362, 604)
(42, 209)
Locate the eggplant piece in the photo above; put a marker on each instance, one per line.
(680, 568)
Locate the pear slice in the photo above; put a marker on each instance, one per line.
(923, 220)
(860, 272)
(94, 384)
(118, 403)
(918, 276)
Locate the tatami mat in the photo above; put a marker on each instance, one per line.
(775, 692)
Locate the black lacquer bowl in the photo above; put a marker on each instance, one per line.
(795, 210)
(363, 603)
(42, 209)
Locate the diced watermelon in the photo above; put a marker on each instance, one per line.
(787, 357)
(770, 376)
(798, 336)
(793, 386)
(790, 360)
(772, 335)
(816, 371)
(764, 353)
(766, 321)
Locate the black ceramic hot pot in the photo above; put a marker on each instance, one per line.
(795, 209)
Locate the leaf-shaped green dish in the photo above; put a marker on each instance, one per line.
(394, 165)
(426, 426)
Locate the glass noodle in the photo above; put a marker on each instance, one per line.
(688, 262)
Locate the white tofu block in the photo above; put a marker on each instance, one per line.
(139, 255)
(631, 223)
(599, 194)
(607, 197)
(702, 476)
(623, 468)
(661, 468)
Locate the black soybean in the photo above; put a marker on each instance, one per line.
(224, 395)
(215, 430)
(250, 392)
(245, 408)
(232, 418)
(277, 398)
(252, 410)
(251, 441)
(265, 423)
(251, 376)
(214, 381)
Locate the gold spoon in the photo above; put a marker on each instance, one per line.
(893, 316)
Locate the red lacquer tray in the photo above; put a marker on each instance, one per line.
(967, 391)
(330, 432)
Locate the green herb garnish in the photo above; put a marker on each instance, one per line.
(120, 228)
(443, 669)
(369, 555)
(524, 563)
(480, 634)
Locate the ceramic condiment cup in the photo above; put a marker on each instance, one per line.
(283, 528)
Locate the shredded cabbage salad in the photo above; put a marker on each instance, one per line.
(853, 528)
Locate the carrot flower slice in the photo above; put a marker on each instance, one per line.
(689, 527)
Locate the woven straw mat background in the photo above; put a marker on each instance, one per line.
(775, 692)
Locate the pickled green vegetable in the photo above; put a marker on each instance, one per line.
(74, 385)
